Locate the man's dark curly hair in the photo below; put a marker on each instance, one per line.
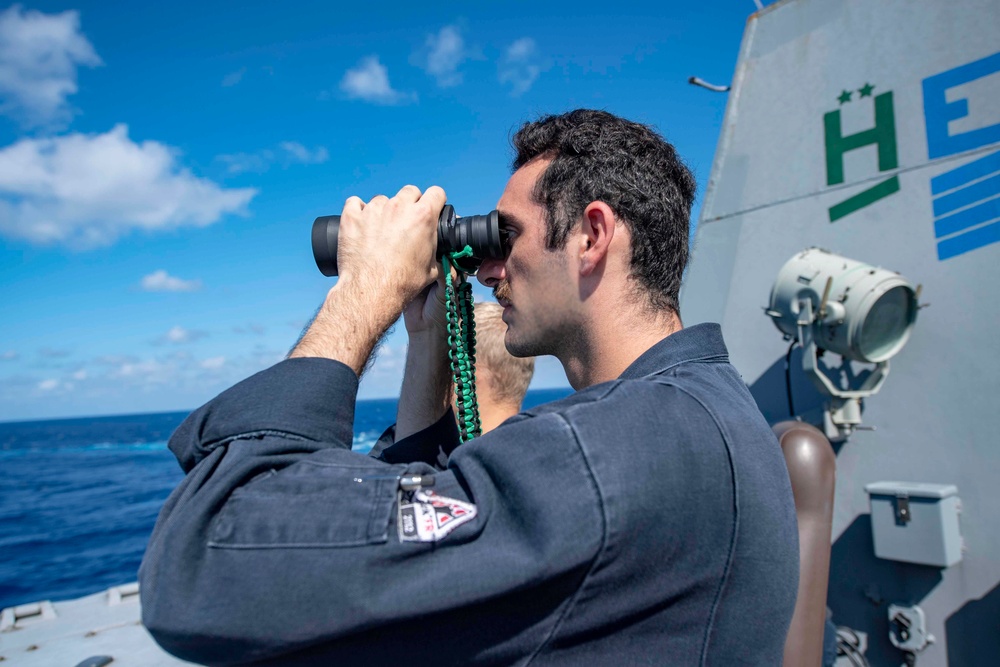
(597, 156)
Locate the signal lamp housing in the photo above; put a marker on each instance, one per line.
(864, 313)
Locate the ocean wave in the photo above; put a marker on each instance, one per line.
(35, 448)
(364, 441)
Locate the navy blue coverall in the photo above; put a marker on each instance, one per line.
(643, 521)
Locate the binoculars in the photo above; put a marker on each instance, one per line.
(479, 232)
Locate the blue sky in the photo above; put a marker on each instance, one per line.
(161, 163)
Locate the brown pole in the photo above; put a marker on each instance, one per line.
(812, 469)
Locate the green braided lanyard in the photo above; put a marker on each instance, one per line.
(462, 343)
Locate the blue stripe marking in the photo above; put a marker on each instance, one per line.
(967, 172)
(967, 195)
(970, 217)
(977, 238)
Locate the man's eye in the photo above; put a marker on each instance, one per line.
(507, 237)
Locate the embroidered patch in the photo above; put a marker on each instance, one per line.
(425, 516)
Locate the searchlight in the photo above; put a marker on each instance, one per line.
(826, 302)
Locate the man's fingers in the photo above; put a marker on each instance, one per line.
(434, 196)
(353, 205)
(409, 193)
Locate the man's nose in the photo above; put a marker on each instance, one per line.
(491, 272)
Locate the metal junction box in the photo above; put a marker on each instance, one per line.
(916, 523)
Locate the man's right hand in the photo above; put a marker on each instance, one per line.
(426, 391)
(427, 311)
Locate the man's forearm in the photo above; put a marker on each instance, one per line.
(426, 392)
(347, 327)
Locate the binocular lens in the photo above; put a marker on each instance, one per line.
(479, 232)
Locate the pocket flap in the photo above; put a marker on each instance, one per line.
(310, 505)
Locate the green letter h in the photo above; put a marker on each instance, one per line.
(883, 134)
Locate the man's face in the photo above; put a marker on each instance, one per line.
(534, 285)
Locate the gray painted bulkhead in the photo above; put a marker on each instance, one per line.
(769, 197)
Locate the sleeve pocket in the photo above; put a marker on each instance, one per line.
(310, 505)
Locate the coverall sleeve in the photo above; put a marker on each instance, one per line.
(433, 445)
(281, 540)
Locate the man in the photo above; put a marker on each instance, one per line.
(646, 519)
(501, 378)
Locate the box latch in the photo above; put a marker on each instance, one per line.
(903, 515)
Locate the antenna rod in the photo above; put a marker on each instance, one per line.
(695, 81)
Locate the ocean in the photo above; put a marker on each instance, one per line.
(79, 497)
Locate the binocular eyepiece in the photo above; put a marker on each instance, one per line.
(479, 232)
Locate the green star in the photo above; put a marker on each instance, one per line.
(844, 97)
(866, 90)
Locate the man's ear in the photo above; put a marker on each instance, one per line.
(598, 230)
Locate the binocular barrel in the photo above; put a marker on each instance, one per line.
(479, 232)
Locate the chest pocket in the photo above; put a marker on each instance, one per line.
(310, 505)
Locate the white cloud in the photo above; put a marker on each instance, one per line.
(385, 374)
(521, 50)
(175, 375)
(446, 51)
(369, 81)
(87, 190)
(519, 66)
(185, 370)
(161, 281)
(287, 154)
(240, 163)
(299, 153)
(39, 56)
(213, 363)
(178, 334)
(9, 355)
(233, 78)
(149, 370)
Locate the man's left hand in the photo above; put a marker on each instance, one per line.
(385, 257)
(389, 244)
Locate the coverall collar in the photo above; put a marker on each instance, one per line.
(700, 342)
